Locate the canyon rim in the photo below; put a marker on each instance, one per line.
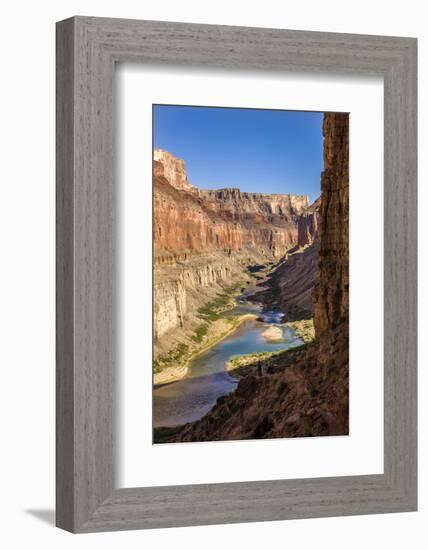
(250, 274)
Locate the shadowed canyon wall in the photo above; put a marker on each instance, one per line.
(331, 297)
(308, 224)
(292, 282)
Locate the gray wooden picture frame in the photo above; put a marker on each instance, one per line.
(87, 50)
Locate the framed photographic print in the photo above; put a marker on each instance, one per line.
(235, 273)
(236, 264)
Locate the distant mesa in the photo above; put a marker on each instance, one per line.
(174, 170)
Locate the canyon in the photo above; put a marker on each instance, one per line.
(303, 391)
(189, 220)
(208, 241)
(291, 283)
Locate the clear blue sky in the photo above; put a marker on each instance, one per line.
(256, 150)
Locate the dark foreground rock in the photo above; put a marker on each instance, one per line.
(309, 397)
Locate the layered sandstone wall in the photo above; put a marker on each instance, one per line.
(170, 306)
(239, 204)
(188, 219)
(308, 225)
(331, 298)
(290, 286)
(292, 283)
(172, 168)
(182, 224)
(171, 290)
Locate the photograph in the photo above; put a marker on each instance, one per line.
(250, 273)
(210, 265)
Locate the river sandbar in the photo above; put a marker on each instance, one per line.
(273, 335)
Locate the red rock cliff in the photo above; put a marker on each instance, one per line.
(188, 219)
(171, 168)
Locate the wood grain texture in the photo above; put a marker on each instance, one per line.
(87, 49)
(64, 276)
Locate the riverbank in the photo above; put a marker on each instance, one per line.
(304, 329)
(268, 362)
(216, 331)
(258, 364)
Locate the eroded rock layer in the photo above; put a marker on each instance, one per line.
(331, 297)
(188, 219)
(308, 225)
(290, 286)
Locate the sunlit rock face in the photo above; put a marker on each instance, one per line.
(188, 219)
(172, 291)
(171, 168)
